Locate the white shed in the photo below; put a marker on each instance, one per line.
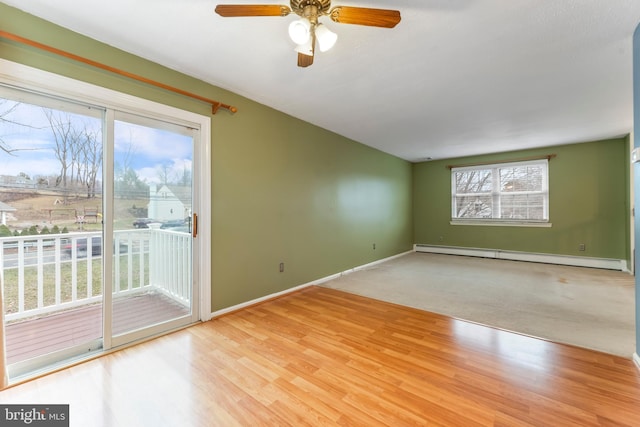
(167, 202)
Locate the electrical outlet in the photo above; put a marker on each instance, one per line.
(582, 247)
(440, 239)
(282, 267)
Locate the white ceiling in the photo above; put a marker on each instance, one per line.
(453, 78)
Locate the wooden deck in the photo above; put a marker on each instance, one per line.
(30, 338)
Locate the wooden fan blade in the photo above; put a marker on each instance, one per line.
(237, 10)
(304, 60)
(365, 16)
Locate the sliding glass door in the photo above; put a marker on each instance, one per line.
(96, 226)
(152, 195)
(50, 226)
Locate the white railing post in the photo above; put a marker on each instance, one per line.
(154, 265)
(40, 264)
(142, 243)
(74, 268)
(20, 276)
(117, 287)
(90, 266)
(58, 271)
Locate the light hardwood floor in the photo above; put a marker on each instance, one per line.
(324, 357)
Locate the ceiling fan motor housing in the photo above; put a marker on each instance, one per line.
(298, 6)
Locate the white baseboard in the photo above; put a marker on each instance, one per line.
(636, 359)
(604, 263)
(299, 287)
(362, 267)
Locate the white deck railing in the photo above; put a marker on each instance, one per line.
(49, 273)
(170, 264)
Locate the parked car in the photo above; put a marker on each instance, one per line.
(176, 225)
(143, 222)
(173, 223)
(81, 247)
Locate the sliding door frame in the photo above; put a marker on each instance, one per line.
(32, 79)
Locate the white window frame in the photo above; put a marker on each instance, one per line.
(496, 195)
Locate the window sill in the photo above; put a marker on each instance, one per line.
(499, 223)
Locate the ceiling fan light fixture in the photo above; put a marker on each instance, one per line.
(300, 31)
(326, 37)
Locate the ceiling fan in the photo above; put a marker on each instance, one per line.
(306, 31)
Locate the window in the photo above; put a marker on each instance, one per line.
(501, 193)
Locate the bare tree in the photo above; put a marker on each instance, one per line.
(127, 182)
(164, 173)
(121, 167)
(471, 185)
(6, 109)
(76, 144)
(92, 154)
(4, 113)
(63, 134)
(76, 148)
(185, 179)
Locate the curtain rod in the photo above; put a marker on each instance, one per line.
(522, 159)
(215, 105)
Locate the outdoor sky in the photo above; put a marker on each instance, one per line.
(147, 150)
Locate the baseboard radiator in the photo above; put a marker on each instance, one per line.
(604, 263)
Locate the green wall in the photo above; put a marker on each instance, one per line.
(588, 203)
(282, 190)
(286, 191)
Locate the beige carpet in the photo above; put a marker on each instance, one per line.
(586, 307)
